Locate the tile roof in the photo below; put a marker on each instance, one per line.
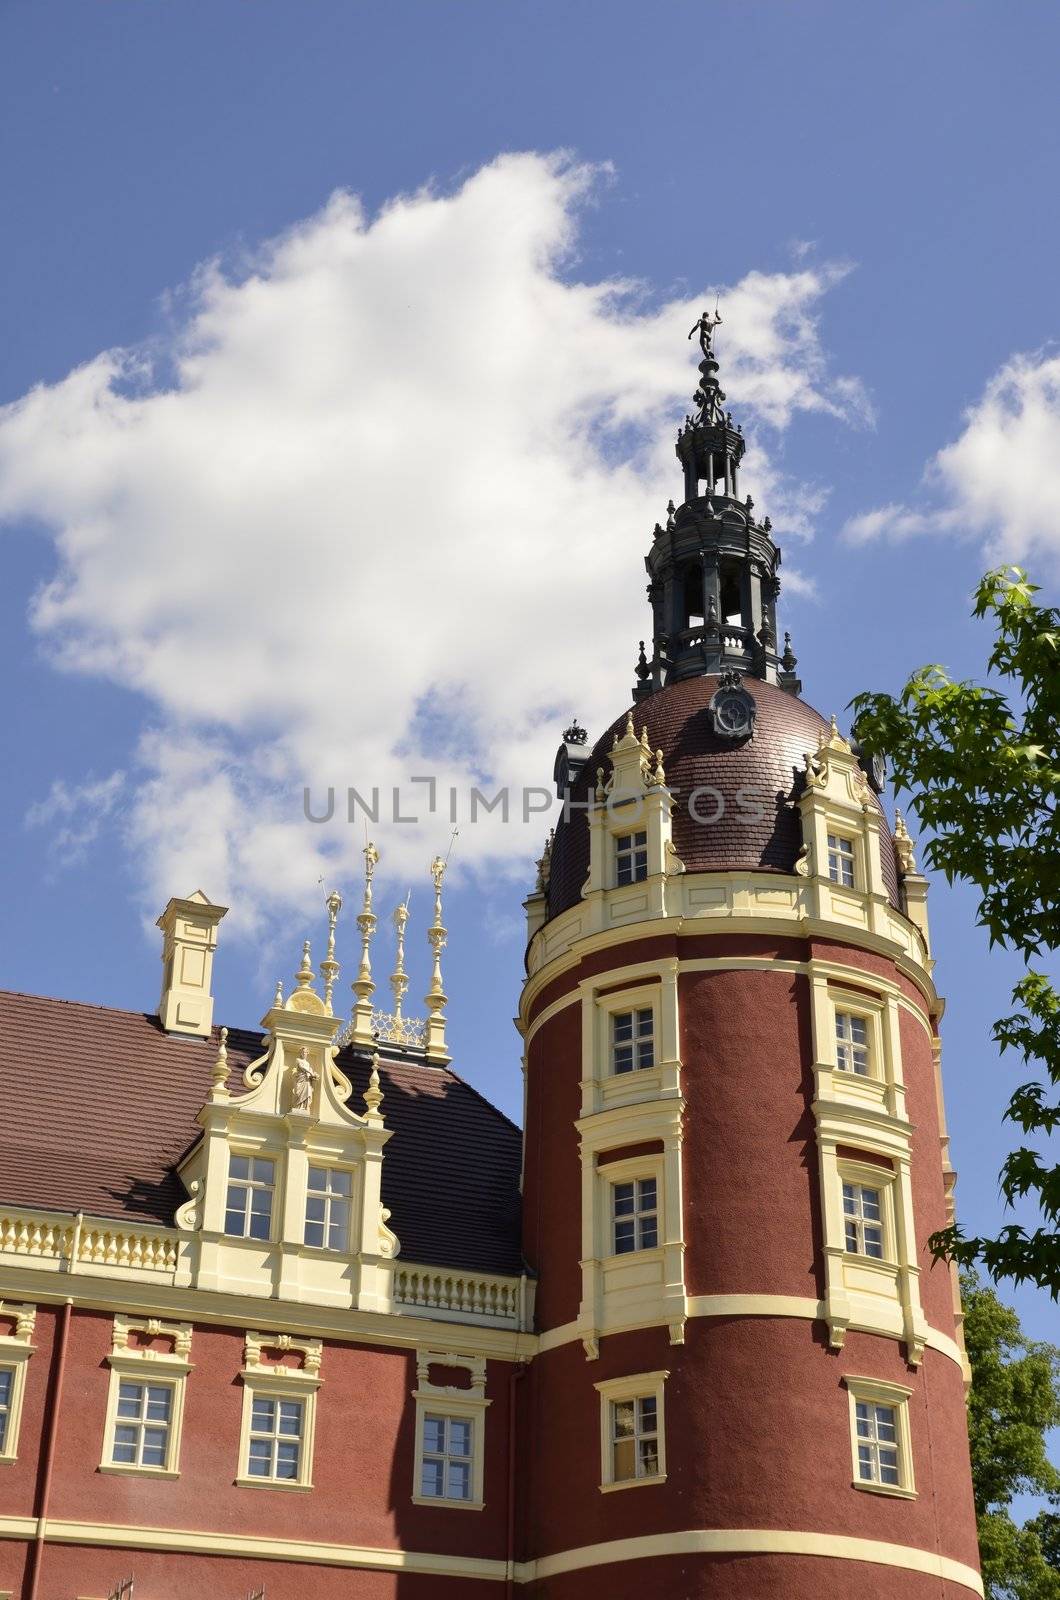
(101, 1106)
(765, 769)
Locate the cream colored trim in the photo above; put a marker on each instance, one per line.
(470, 1403)
(638, 1386)
(759, 1305)
(275, 1382)
(15, 1351)
(168, 1368)
(404, 1331)
(642, 971)
(308, 1552)
(757, 1541)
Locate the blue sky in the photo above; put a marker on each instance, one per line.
(879, 181)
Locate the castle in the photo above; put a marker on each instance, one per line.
(296, 1313)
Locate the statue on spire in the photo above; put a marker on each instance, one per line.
(705, 328)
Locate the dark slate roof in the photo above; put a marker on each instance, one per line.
(100, 1107)
(769, 766)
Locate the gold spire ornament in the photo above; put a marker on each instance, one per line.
(329, 967)
(373, 1095)
(363, 985)
(399, 981)
(436, 998)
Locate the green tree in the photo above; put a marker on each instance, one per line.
(1014, 1401)
(980, 765)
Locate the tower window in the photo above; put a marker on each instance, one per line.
(274, 1449)
(863, 1220)
(878, 1445)
(632, 1040)
(634, 1438)
(841, 860)
(631, 858)
(446, 1471)
(327, 1209)
(852, 1044)
(7, 1390)
(634, 1215)
(248, 1209)
(142, 1424)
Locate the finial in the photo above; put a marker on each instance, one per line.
(575, 734)
(789, 661)
(631, 732)
(304, 975)
(398, 978)
(642, 669)
(659, 775)
(645, 743)
(363, 985)
(903, 846)
(436, 998)
(219, 1076)
(277, 998)
(601, 792)
(329, 967)
(373, 1095)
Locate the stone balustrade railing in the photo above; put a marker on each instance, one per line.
(469, 1295)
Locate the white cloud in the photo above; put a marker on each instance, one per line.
(73, 815)
(999, 481)
(379, 507)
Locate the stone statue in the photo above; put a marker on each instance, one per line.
(705, 328)
(304, 1079)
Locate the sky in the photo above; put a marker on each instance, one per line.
(342, 353)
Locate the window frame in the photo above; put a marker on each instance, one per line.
(612, 1391)
(251, 1185)
(328, 1196)
(455, 1405)
(638, 1213)
(634, 1043)
(842, 857)
(872, 1391)
(447, 1456)
(159, 1368)
(860, 1222)
(16, 1348)
(264, 1380)
(634, 851)
(841, 1013)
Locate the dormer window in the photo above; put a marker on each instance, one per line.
(327, 1209)
(841, 860)
(248, 1208)
(631, 858)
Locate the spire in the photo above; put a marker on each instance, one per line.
(713, 567)
(329, 967)
(399, 981)
(360, 1031)
(436, 998)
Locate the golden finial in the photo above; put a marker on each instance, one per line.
(329, 967)
(363, 985)
(373, 1095)
(631, 732)
(277, 998)
(304, 975)
(399, 978)
(436, 998)
(219, 1076)
(659, 775)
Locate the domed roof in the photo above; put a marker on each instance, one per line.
(748, 786)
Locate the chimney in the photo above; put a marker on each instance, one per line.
(189, 939)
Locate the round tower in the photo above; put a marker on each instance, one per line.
(750, 1379)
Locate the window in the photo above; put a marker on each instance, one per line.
(877, 1438)
(248, 1209)
(634, 1438)
(447, 1457)
(279, 1411)
(450, 1430)
(632, 1040)
(149, 1364)
(841, 860)
(632, 1431)
(327, 1209)
(880, 1439)
(631, 856)
(635, 1215)
(852, 1044)
(142, 1424)
(277, 1429)
(7, 1395)
(863, 1220)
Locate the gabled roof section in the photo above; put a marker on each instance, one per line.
(101, 1107)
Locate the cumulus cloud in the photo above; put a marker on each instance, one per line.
(73, 815)
(377, 506)
(999, 481)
